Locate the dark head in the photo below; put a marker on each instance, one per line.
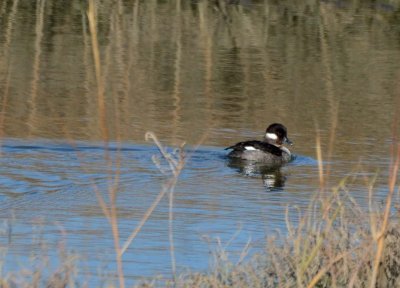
(277, 134)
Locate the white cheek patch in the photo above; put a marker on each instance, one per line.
(272, 136)
(250, 148)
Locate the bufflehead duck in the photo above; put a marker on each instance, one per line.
(269, 151)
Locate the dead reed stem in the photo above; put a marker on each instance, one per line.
(320, 163)
(380, 235)
(176, 165)
(325, 269)
(113, 187)
(393, 172)
(176, 120)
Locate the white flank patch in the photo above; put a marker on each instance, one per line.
(250, 148)
(272, 136)
(284, 149)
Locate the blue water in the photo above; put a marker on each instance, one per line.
(49, 204)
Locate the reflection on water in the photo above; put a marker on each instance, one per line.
(271, 176)
(238, 67)
(187, 70)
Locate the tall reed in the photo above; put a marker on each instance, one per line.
(111, 211)
(379, 234)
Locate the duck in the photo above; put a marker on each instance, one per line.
(269, 151)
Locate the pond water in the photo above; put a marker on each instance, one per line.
(190, 71)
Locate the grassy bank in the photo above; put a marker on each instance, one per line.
(338, 251)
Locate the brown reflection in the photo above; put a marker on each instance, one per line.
(177, 72)
(333, 102)
(6, 62)
(181, 68)
(206, 38)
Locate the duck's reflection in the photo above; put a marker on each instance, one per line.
(272, 176)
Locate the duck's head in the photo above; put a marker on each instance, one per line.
(276, 134)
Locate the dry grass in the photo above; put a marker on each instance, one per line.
(37, 270)
(333, 245)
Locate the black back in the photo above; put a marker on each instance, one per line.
(260, 145)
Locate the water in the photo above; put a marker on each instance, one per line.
(57, 193)
(193, 73)
(49, 201)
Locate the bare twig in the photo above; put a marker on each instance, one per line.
(176, 165)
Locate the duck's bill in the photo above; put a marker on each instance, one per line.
(287, 141)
